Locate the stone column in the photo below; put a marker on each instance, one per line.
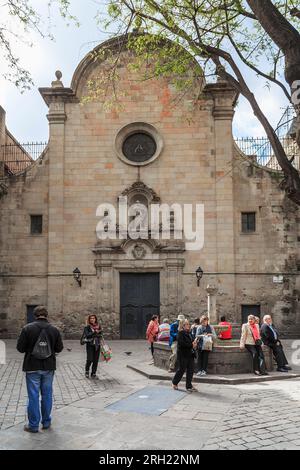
(212, 304)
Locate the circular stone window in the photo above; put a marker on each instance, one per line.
(138, 144)
(139, 147)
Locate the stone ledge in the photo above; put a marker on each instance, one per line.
(154, 373)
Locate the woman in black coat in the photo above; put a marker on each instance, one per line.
(185, 357)
(92, 335)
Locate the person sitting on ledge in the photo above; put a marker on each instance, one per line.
(270, 337)
(164, 331)
(225, 335)
(251, 340)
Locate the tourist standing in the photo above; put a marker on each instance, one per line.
(185, 356)
(92, 336)
(225, 335)
(173, 342)
(164, 331)
(205, 338)
(152, 332)
(40, 341)
(270, 337)
(194, 328)
(251, 340)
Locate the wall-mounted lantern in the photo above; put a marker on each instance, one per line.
(199, 275)
(77, 276)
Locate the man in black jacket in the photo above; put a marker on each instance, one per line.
(270, 337)
(40, 341)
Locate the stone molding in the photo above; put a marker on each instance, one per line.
(133, 128)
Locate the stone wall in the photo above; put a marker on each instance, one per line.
(198, 164)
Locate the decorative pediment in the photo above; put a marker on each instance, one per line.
(140, 188)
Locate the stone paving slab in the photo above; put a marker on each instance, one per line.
(149, 400)
(154, 373)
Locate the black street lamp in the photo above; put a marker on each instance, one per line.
(199, 275)
(77, 276)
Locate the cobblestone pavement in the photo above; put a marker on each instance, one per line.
(251, 416)
(261, 419)
(69, 386)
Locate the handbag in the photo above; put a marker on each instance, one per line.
(84, 340)
(258, 342)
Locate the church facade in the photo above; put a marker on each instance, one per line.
(150, 151)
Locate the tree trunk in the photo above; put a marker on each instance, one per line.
(282, 32)
(287, 38)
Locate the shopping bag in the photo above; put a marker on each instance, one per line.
(106, 352)
(207, 343)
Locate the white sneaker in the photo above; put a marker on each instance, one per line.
(199, 373)
(204, 373)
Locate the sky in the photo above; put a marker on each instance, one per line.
(26, 113)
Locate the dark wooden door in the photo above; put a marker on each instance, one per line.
(139, 294)
(250, 310)
(29, 313)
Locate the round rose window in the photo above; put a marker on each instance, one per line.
(139, 147)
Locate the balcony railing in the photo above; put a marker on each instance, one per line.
(260, 150)
(17, 157)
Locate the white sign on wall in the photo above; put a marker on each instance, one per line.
(278, 279)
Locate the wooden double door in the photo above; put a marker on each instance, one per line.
(140, 299)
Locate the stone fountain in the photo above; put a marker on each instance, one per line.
(226, 358)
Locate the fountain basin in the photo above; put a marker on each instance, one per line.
(226, 358)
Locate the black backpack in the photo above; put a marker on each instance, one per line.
(42, 348)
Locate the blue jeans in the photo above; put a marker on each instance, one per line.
(39, 382)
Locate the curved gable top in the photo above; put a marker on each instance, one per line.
(91, 60)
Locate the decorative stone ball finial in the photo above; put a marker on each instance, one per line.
(58, 74)
(57, 83)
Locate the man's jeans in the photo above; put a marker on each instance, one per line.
(39, 382)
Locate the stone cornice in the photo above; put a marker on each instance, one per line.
(224, 97)
(56, 118)
(58, 95)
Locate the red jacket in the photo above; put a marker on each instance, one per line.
(152, 331)
(228, 333)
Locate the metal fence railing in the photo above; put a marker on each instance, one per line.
(17, 157)
(261, 151)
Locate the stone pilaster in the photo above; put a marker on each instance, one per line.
(2, 127)
(224, 97)
(57, 119)
(174, 269)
